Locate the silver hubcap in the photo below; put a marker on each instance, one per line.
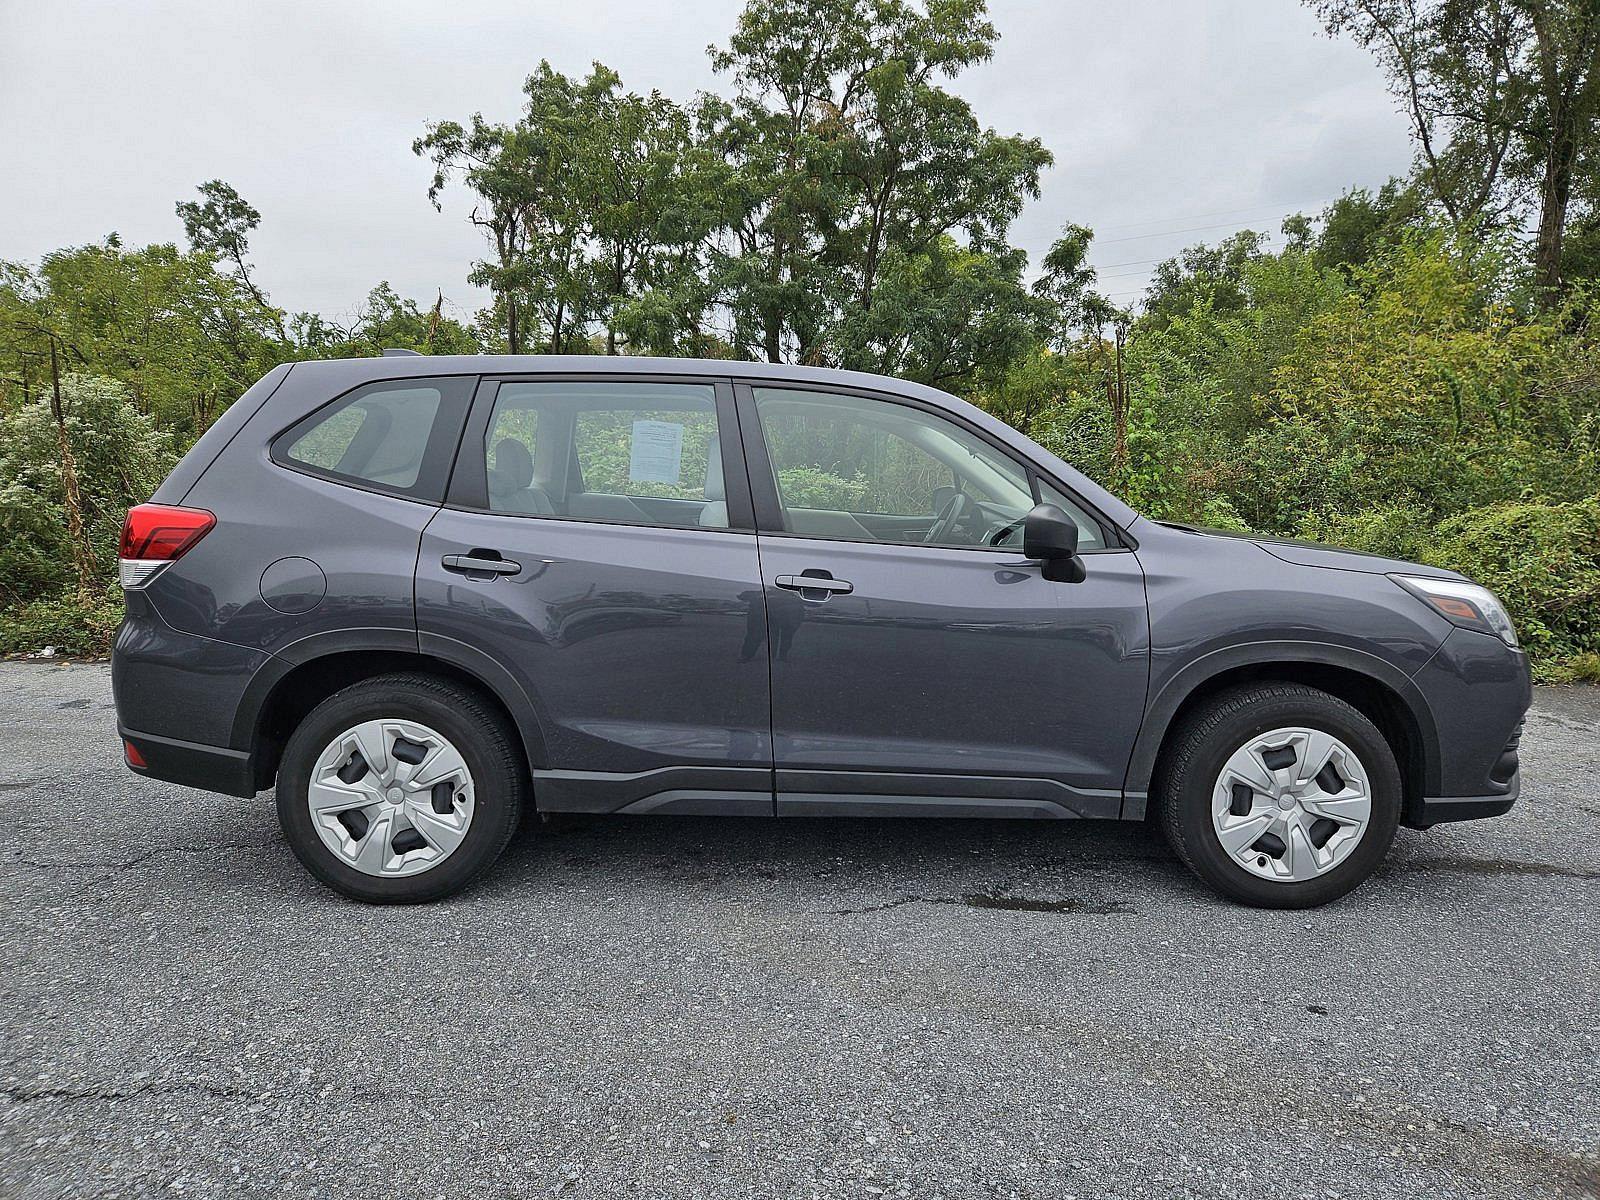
(1291, 804)
(391, 797)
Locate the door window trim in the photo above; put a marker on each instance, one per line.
(764, 488)
(438, 455)
(468, 489)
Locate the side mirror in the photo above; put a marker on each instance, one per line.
(1051, 536)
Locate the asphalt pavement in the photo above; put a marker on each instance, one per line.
(683, 1007)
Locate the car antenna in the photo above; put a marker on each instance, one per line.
(393, 352)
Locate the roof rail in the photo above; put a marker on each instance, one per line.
(390, 352)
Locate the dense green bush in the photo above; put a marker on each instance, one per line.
(74, 624)
(1542, 560)
(118, 456)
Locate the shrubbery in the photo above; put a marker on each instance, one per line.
(72, 623)
(1542, 560)
(118, 456)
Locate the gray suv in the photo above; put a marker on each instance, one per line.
(425, 594)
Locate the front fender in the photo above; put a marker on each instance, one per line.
(1165, 704)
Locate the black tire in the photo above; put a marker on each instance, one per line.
(1194, 758)
(481, 734)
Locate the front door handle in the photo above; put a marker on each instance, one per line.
(485, 562)
(815, 583)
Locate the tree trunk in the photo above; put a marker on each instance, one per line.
(774, 335)
(513, 330)
(82, 552)
(1570, 100)
(244, 274)
(617, 280)
(433, 322)
(1119, 409)
(1554, 193)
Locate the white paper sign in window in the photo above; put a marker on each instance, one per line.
(657, 452)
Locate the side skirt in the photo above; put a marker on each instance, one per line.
(748, 792)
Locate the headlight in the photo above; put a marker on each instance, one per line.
(1463, 604)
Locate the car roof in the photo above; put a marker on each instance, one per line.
(405, 366)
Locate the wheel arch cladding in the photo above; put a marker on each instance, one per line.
(277, 701)
(1381, 692)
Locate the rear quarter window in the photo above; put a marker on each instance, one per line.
(394, 437)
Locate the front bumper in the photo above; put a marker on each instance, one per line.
(1437, 810)
(1478, 692)
(1506, 773)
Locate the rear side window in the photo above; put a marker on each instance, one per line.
(395, 437)
(642, 453)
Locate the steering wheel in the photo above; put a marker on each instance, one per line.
(944, 524)
(1004, 531)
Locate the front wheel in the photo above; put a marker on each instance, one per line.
(400, 789)
(1279, 795)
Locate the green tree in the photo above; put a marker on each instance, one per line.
(946, 315)
(1213, 274)
(511, 176)
(386, 320)
(1361, 224)
(647, 213)
(854, 164)
(1503, 98)
(222, 226)
(184, 337)
(597, 206)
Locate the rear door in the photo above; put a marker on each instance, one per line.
(598, 544)
(920, 664)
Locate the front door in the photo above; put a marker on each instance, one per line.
(920, 664)
(591, 548)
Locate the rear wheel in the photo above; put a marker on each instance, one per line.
(1279, 795)
(400, 789)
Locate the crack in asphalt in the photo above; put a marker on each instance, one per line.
(996, 900)
(136, 860)
(901, 902)
(1565, 722)
(1001, 895)
(1497, 866)
(25, 1095)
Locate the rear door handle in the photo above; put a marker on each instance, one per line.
(486, 562)
(815, 583)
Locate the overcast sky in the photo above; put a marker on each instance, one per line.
(1171, 121)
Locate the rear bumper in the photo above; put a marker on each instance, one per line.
(210, 768)
(177, 697)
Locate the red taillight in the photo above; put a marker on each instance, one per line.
(154, 535)
(163, 531)
(131, 753)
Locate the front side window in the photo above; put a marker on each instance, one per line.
(872, 470)
(1090, 535)
(643, 453)
(396, 436)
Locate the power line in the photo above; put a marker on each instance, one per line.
(1174, 232)
(1138, 262)
(1109, 270)
(1232, 212)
